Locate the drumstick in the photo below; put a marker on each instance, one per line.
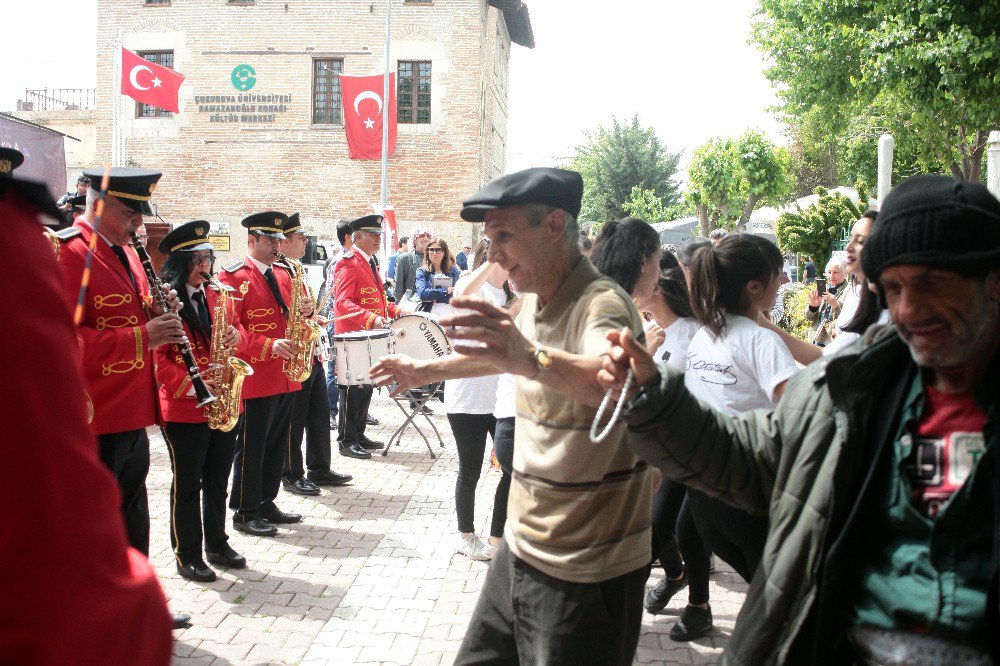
(352, 314)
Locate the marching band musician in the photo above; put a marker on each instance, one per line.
(265, 287)
(311, 407)
(110, 606)
(358, 291)
(201, 457)
(121, 327)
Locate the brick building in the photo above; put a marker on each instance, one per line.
(260, 123)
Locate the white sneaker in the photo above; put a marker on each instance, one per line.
(472, 548)
(489, 550)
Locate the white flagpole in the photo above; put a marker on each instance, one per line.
(385, 126)
(115, 94)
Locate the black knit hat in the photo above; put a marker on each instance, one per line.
(935, 221)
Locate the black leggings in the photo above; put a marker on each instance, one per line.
(470, 432)
(734, 535)
(666, 507)
(503, 447)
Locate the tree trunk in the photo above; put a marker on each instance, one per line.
(702, 211)
(752, 201)
(971, 167)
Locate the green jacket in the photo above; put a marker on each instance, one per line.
(807, 465)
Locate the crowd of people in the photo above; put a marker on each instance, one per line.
(851, 479)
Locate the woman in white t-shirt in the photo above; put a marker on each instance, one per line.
(470, 404)
(733, 365)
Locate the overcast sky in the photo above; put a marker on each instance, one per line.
(684, 67)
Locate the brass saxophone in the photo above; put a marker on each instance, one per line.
(227, 371)
(302, 331)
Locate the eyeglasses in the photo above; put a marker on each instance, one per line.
(435, 249)
(141, 237)
(202, 258)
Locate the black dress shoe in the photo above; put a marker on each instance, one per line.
(658, 598)
(329, 478)
(299, 486)
(371, 420)
(226, 557)
(694, 623)
(180, 620)
(197, 571)
(254, 526)
(424, 409)
(354, 450)
(370, 444)
(280, 517)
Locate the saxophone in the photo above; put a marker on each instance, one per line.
(302, 331)
(227, 371)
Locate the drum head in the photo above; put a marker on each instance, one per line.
(374, 334)
(419, 337)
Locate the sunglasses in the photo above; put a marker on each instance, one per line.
(202, 258)
(435, 249)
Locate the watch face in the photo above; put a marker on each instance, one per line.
(543, 358)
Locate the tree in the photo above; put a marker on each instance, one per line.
(616, 159)
(729, 179)
(814, 231)
(929, 69)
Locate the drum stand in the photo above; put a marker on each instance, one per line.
(419, 399)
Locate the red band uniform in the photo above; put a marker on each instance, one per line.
(358, 291)
(263, 437)
(110, 606)
(201, 457)
(117, 359)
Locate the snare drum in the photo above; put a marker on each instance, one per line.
(357, 352)
(419, 337)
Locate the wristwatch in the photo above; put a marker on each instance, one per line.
(542, 360)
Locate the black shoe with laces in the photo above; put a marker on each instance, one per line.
(658, 598)
(694, 623)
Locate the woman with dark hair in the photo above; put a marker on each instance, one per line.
(201, 457)
(436, 279)
(470, 405)
(734, 366)
(628, 252)
(685, 254)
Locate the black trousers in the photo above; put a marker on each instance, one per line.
(666, 507)
(470, 432)
(126, 454)
(525, 616)
(202, 459)
(354, 403)
(260, 454)
(697, 558)
(310, 417)
(503, 446)
(734, 535)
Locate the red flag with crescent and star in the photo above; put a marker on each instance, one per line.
(150, 83)
(364, 110)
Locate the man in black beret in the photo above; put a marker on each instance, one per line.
(878, 469)
(566, 583)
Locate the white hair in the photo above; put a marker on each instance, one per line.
(839, 263)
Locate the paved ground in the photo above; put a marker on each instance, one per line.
(371, 575)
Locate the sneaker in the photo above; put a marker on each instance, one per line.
(489, 550)
(658, 598)
(694, 623)
(472, 548)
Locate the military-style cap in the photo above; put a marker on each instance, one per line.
(133, 187)
(293, 226)
(10, 159)
(269, 223)
(559, 188)
(372, 223)
(188, 237)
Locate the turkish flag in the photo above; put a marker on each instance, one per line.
(364, 112)
(150, 83)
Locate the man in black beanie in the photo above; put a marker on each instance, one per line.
(878, 469)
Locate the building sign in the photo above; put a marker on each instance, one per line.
(219, 243)
(248, 108)
(243, 77)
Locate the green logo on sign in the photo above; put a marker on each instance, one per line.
(243, 77)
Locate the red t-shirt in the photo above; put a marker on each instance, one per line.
(948, 442)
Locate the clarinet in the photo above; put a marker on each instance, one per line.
(201, 389)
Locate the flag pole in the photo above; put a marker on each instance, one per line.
(384, 200)
(116, 95)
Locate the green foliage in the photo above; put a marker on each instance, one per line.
(729, 178)
(814, 231)
(795, 300)
(928, 71)
(615, 160)
(645, 205)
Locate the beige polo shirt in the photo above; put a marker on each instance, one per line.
(577, 511)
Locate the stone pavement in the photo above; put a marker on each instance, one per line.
(371, 575)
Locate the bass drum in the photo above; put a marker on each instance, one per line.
(419, 337)
(357, 352)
